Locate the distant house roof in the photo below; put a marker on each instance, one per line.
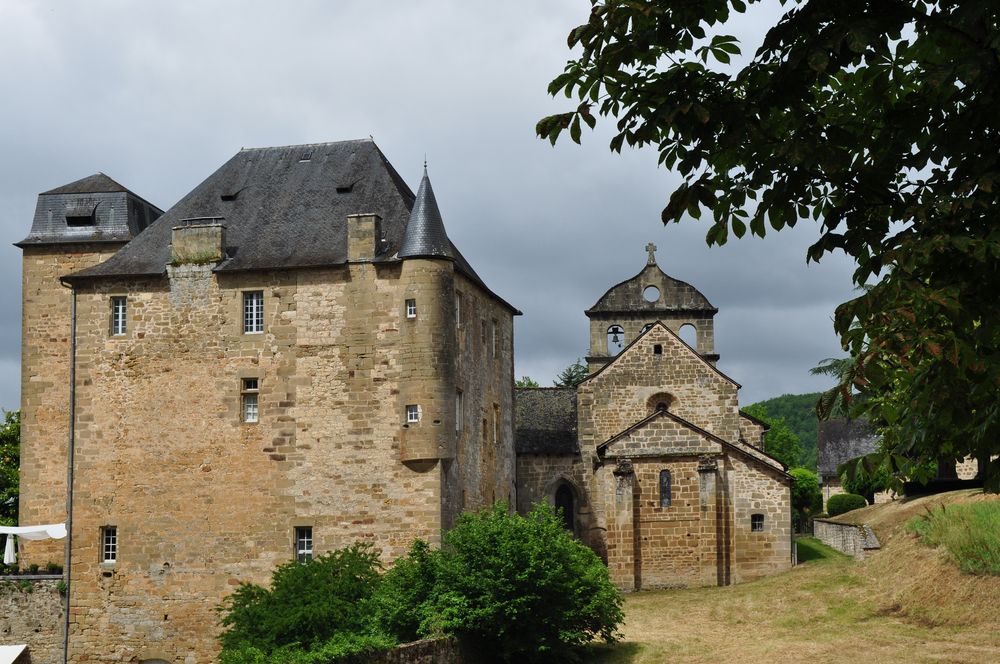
(545, 421)
(840, 440)
(98, 183)
(285, 207)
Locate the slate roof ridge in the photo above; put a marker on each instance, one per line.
(96, 183)
(308, 145)
(671, 333)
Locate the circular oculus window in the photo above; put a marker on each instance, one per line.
(651, 293)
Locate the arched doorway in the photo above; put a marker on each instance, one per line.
(564, 504)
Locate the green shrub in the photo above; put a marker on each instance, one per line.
(807, 499)
(844, 502)
(970, 533)
(520, 588)
(397, 605)
(307, 605)
(344, 647)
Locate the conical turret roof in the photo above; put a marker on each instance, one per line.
(425, 234)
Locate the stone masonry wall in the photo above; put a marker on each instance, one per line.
(203, 501)
(758, 489)
(45, 350)
(854, 540)
(31, 613)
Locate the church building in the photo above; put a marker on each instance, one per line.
(650, 458)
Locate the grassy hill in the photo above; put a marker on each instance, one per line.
(906, 603)
(799, 411)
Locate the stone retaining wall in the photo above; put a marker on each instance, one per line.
(428, 651)
(847, 538)
(31, 612)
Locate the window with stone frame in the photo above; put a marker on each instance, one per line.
(496, 424)
(482, 335)
(496, 339)
(109, 544)
(119, 315)
(459, 410)
(250, 400)
(412, 413)
(458, 309)
(411, 308)
(303, 543)
(253, 312)
(666, 482)
(756, 523)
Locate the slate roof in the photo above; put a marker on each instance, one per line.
(545, 421)
(98, 183)
(284, 207)
(676, 296)
(840, 440)
(425, 234)
(94, 209)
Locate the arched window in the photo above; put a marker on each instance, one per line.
(616, 339)
(645, 328)
(689, 335)
(659, 401)
(564, 505)
(665, 483)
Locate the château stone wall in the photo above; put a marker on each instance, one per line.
(31, 613)
(45, 351)
(203, 501)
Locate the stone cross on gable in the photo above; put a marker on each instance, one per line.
(651, 248)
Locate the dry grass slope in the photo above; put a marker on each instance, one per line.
(906, 603)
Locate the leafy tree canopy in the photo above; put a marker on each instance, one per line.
(799, 413)
(526, 381)
(572, 375)
(807, 498)
(780, 441)
(10, 459)
(877, 121)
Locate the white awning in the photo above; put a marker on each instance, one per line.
(10, 654)
(49, 531)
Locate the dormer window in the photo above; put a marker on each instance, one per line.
(81, 213)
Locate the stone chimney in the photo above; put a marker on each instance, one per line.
(364, 235)
(199, 243)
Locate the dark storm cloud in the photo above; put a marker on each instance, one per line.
(159, 94)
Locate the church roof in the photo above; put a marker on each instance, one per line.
(545, 421)
(425, 234)
(674, 296)
(840, 440)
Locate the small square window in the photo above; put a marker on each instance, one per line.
(109, 544)
(657, 349)
(412, 413)
(756, 523)
(119, 316)
(303, 543)
(411, 308)
(249, 395)
(253, 312)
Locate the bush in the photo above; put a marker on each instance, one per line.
(970, 534)
(308, 605)
(343, 647)
(844, 502)
(520, 588)
(807, 499)
(398, 605)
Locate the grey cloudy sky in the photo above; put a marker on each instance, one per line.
(159, 94)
